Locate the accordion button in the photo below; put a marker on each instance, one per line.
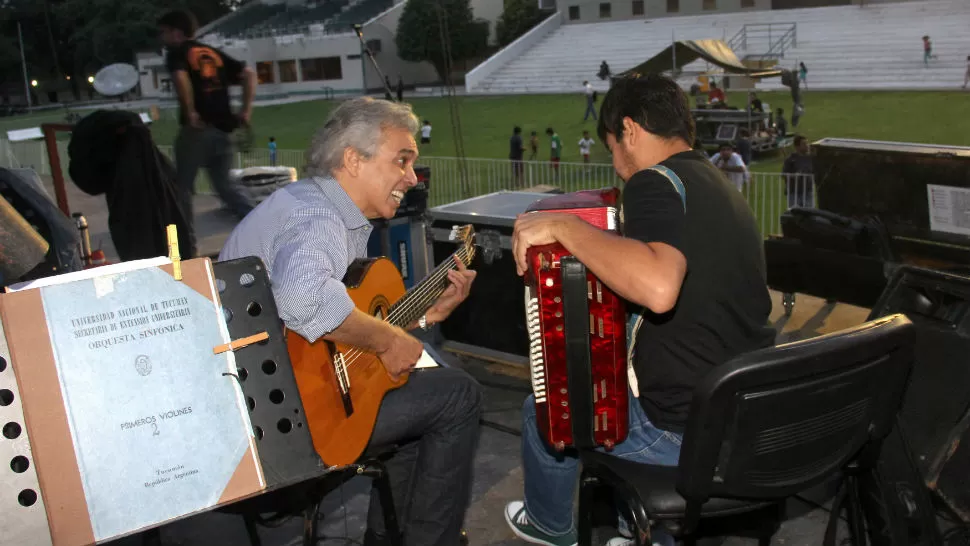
(558, 314)
(549, 281)
(562, 391)
(564, 403)
(565, 416)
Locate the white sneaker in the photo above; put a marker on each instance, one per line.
(623, 541)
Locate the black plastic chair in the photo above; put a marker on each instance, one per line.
(768, 425)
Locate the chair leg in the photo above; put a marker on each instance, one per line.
(857, 525)
(376, 470)
(252, 531)
(310, 524)
(587, 486)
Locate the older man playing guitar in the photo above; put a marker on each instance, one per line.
(312, 233)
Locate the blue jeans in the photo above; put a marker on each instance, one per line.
(551, 477)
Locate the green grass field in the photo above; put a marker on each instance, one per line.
(927, 117)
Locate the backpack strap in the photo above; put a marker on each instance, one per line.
(674, 180)
(635, 319)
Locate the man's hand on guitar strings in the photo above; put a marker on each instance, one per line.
(457, 291)
(536, 229)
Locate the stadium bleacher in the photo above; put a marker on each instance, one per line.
(260, 20)
(847, 47)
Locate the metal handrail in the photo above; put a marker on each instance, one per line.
(740, 39)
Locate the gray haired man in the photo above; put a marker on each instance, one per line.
(307, 233)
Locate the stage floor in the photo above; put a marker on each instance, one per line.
(498, 473)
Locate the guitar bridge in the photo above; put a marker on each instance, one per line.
(343, 382)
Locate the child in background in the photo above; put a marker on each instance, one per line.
(555, 152)
(272, 151)
(585, 144)
(426, 132)
(534, 145)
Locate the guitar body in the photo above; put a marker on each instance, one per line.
(374, 284)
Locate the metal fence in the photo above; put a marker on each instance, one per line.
(768, 194)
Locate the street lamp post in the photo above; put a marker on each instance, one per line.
(23, 62)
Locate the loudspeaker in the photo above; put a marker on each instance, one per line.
(935, 417)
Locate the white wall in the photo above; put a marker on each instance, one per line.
(623, 9)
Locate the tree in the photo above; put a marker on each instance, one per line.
(419, 33)
(518, 18)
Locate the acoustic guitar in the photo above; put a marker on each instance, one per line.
(342, 386)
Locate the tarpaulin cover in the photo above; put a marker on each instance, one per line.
(682, 53)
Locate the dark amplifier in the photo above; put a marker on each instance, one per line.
(491, 323)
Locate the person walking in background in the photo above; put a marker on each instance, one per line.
(802, 74)
(400, 89)
(585, 144)
(555, 150)
(966, 77)
(202, 75)
(534, 146)
(272, 151)
(798, 173)
(927, 51)
(426, 133)
(515, 156)
(744, 145)
(590, 101)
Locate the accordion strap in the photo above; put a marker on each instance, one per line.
(635, 319)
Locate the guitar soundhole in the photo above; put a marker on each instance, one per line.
(259, 433)
(276, 396)
(221, 285)
(242, 373)
(254, 309)
(3, 364)
(251, 403)
(227, 313)
(269, 367)
(246, 279)
(284, 425)
(6, 397)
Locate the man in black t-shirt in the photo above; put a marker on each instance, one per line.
(202, 75)
(691, 264)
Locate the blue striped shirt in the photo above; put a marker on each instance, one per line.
(307, 234)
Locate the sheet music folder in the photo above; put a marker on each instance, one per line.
(133, 420)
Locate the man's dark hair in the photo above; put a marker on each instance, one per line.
(549, 131)
(180, 19)
(798, 140)
(516, 130)
(653, 102)
(726, 145)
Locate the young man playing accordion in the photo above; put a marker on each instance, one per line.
(690, 261)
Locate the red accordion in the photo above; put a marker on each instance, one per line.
(577, 334)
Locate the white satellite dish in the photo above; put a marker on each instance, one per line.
(116, 79)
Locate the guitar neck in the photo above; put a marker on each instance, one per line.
(416, 301)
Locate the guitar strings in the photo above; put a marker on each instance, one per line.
(426, 296)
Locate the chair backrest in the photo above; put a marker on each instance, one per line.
(776, 421)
